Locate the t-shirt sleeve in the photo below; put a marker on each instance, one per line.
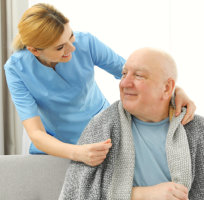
(24, 102)
(105, 58)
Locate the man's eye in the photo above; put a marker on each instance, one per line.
(138, 76)
(124, 73)
(60, 48)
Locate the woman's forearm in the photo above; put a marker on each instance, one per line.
(91, 154)
(53, 146)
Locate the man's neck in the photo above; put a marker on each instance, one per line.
(157, 114)
(152, 118)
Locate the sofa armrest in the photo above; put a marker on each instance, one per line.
(31, 177)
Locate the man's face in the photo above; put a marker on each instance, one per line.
(142, 85)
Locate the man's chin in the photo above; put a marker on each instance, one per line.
(128, 106)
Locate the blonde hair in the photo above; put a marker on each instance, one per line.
(40, 26)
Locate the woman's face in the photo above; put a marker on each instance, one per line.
(60, 51)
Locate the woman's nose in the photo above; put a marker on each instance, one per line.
(69, 48)
(72, 47)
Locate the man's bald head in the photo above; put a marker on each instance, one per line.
(148, 81)
(156, 58)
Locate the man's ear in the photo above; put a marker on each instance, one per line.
(169, 88)
(33, 50)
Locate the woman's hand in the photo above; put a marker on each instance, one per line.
(92, 154)
(181, 100)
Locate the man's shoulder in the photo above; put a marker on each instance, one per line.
(103, 125)
(197, 122)
(109, 112)
(195, 128)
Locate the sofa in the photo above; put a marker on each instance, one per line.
(31, 177)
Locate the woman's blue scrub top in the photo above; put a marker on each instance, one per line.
(65, 98)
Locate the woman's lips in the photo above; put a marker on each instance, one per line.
(65, 56)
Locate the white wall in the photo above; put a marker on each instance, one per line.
(125, 25)
(187, 47)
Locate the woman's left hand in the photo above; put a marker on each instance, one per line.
(181, 100)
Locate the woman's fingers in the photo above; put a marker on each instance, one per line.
(189, 113)
(101, 146)
(94, 154)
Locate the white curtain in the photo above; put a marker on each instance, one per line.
(10, 126)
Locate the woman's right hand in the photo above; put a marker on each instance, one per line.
(92, 154)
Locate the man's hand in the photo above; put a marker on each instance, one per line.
(92, 154)
(162, 191)
(182, 100)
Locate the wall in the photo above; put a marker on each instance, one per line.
(172, 25)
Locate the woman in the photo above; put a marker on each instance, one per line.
(51, 81)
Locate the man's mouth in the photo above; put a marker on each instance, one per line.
(130, 93)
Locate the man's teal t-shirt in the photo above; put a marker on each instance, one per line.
(151, 165)
(65, 98)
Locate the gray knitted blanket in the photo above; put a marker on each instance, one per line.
(113, 179)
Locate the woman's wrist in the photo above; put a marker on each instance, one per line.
(73, 152)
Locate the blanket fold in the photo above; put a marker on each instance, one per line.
(113, 179)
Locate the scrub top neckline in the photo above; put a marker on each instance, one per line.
(45, 66)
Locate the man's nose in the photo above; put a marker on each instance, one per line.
(126, 81)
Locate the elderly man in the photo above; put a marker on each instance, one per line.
(153, 156)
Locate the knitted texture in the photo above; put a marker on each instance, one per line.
(195, 135)
(113, 179)
(122, 178)
(178, 153)
(83, 182)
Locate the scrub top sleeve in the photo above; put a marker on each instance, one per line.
(23, 100)
(105, 58)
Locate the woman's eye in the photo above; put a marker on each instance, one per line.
(60, 48)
